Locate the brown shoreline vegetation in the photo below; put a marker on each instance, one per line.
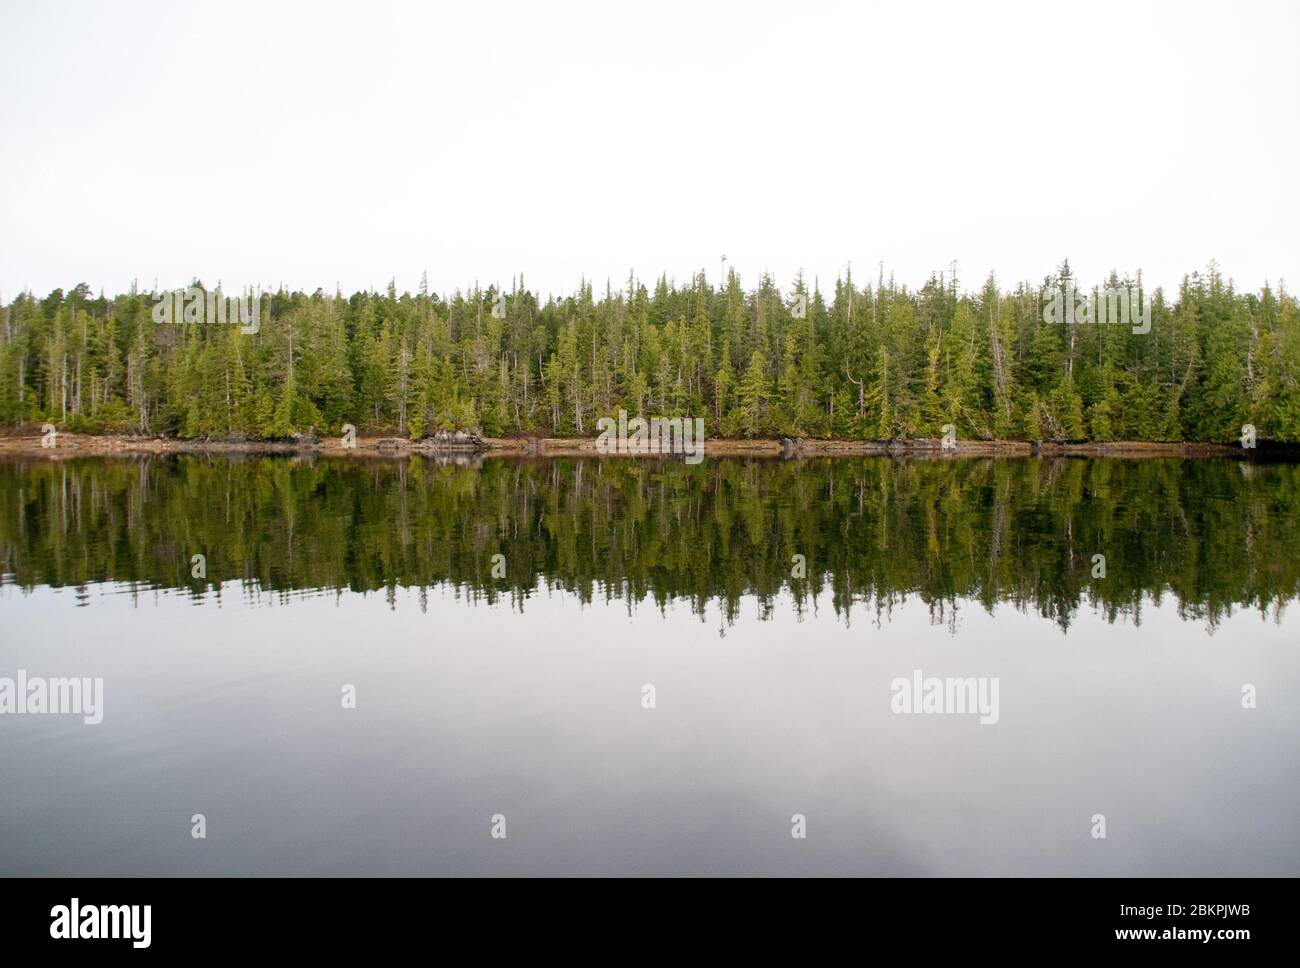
(70, 445)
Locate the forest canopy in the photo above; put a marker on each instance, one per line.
(875, 361)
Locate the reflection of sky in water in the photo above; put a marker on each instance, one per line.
(465, 711)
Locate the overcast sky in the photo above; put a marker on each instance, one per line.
(316, 144)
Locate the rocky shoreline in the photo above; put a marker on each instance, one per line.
(67, 445)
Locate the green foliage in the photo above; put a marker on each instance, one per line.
(876, 362)
(1215, 535)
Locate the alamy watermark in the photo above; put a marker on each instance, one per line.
(1120, 307)
(658, 435)
(76, 921)
(30, 695)
(195, 305)
(972, 695)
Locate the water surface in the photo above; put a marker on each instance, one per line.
(770, 604)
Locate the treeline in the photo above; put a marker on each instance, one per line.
(719, 536)
(878, 361)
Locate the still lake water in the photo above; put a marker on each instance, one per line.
(522, 695)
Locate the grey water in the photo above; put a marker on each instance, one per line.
(631, 666)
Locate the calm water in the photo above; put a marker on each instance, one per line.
(523, 695)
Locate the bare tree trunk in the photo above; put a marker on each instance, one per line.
(862, 407)
(999, 366)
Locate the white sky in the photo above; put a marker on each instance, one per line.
(316, 144)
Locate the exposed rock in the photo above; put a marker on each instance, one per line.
(459, 441)
(790, 447)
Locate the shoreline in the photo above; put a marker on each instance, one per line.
(69, 445)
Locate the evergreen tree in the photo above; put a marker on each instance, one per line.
(876, 362)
